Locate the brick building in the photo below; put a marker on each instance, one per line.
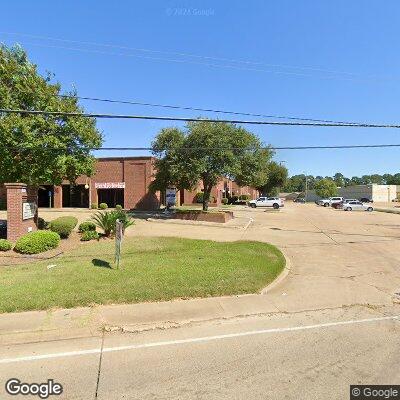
(124, 181)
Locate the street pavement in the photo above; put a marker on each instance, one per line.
(333, 321)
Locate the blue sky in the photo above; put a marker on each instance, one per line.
(295, 42)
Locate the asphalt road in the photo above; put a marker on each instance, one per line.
(336, 323)
(312, 355)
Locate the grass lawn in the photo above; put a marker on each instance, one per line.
(152, 269)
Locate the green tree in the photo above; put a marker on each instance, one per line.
(325, 188)
(207, 151)
(339, 179)
(276, 178)
(38, 149)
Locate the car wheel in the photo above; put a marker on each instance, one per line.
(252, 205)
(276, 206)
(349, 209)
(326, 204)
(370, 209)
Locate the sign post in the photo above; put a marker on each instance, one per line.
(119, 232)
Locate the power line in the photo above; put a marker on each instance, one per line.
(131, 102)
(352, 146)
(182, 54)
(186, 119)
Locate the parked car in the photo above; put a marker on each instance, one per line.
(299, 200)
(356, 206)
(366, 200)
(331, 200)
(274, 202)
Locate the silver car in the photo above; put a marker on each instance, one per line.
(356, 205)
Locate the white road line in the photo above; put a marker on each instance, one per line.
(193, 340)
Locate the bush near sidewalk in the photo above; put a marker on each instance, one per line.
(152, 269)
(37, 242)
(63, 225)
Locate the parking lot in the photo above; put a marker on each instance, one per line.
(337, 258)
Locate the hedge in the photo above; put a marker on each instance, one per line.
(89, 235)
(224, 200)
(5, 245)
(103, 206)
(87, 226)
(37, 242)
(63, 226)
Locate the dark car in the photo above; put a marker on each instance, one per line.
(299, 200)
(366, 200)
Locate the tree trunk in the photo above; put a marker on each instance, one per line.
(206, 197)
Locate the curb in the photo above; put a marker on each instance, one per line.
(281, 277)
(199, 223)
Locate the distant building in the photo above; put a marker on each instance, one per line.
(374, 192)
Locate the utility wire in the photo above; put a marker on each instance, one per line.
(351, 146)
(199, 109)
(186, 119)
(181, 54)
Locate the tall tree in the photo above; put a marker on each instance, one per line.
(38, 149)
(339, 179)
(207, 151)
(326, 188)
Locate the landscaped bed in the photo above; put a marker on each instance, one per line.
(207, 216)
(152, 269)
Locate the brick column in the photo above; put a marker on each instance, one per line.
(57, 197)
(17, 194)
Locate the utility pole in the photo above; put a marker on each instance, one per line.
(306, 187)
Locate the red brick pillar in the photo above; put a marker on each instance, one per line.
(93, 195)
(57, 197)
(21, 210)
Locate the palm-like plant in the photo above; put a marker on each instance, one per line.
(106, 221)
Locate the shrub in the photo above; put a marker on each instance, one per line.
(224, 200)
(37, 242)
(93, 206)
(118, 207)
(5, 245)
(103, 206)
(42, 224)
(199, 197)
(106, 220)
(89, 235)
(244, 197)
(87, 226)
(63, 226)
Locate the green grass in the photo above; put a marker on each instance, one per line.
(152, 269)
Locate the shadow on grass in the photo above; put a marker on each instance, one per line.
(101, 263)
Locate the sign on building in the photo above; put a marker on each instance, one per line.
(109, 185)
(28, 210)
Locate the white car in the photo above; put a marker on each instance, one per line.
(328, 202)
(356, 206)
(274, 202)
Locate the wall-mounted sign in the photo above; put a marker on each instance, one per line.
(28, 210)
(109, 185)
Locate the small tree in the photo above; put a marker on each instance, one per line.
(207, 151)
(326, 188)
